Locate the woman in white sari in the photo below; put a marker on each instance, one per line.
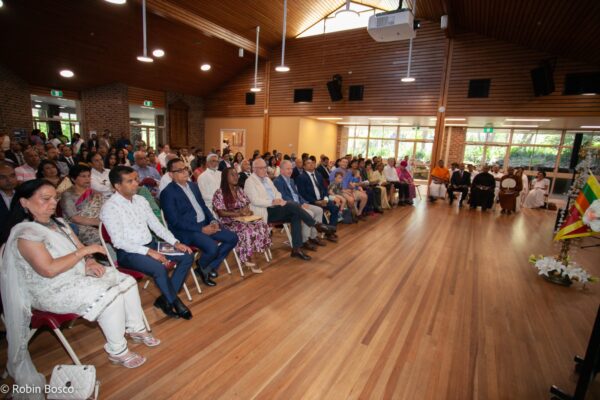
(45, 267)
(539, 188)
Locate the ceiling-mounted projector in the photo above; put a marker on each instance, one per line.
(392, 25)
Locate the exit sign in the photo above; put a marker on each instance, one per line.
(488, 129)
(56, 93)
(148, 103)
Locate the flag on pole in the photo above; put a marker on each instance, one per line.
(573, 226)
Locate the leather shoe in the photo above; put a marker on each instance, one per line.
(300, 254)
(317, 241)
(331, 238)
(322, 228)
(213, 274)
(167, 308)
(309, 246)
(181, 309)
(204, 276)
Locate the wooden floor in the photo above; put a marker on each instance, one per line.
(424, 302)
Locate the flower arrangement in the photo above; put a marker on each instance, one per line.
(562, 272)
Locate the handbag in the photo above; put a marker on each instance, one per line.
(73, 382)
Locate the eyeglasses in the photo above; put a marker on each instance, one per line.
(260, 167)
(175, 171)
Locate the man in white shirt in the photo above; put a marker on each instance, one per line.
(391, 175)
(100, 178)
(27, 171)
(210, 180)
(128, 220)
(162, 157)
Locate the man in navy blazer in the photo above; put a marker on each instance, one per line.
(311, 188)
(192, 222)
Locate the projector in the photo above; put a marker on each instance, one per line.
(392, 25)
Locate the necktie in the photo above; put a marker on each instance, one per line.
(315, 185)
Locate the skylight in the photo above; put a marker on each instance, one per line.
(333, 23)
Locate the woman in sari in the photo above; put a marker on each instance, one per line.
(536, 198)
(404, 176)
(229, 202)
(81, 205)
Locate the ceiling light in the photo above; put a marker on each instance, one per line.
(330, 118)
(158, 53)
(408, 79)
(456, 119)
(456, 124)
(397, 123)
(38, 101)
(205, 67)
(520, 126)
(349, 123)
(528, 120)
(62, 107)
(384, 119)
(282, 67)
(66, 73)
(144, 57)
(38, 106)
(433, 119)
(255, 88)
(589, 94)
(590, 126)
(1, 3)
(116, 1)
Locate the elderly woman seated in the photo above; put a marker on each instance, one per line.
(536, 198)
(81, 205)
(376, 177)
(46, 267)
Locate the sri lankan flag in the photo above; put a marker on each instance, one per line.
(573, 226)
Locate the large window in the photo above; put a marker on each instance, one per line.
(55, 116)
(341, 22)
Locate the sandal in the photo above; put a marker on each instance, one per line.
(129, 359)
(253, 267)
(144, 337)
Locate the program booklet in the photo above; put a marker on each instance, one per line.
(168, 249)
(248, 218)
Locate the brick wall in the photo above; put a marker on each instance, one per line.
(195, 117)
(105, 107)
(454, 145)
(15, 103)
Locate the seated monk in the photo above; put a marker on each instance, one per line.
(482, 190)
(440, 176)
(510, 189)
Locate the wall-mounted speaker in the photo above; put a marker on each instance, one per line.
(543, 80)
(580, 83)
(303, 95)
(479, 88)
(334, 87)
(250, 98)
(355, 92)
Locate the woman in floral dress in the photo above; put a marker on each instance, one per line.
(230, 202)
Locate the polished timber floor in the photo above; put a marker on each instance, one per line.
(424, 302)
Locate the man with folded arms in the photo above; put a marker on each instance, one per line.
(128, 220)
(311, 187)
(289, 192)
(192, 222)
(266, 202)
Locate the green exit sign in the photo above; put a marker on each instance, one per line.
(488, 129)
(56, 93)
(148, 103)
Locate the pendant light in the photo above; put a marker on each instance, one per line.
(283, 67)
(408, 78)
(144, 57)
(255, 88)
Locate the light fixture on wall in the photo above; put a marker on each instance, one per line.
(255, 88)
(144, 57)
(408, 78)
(283, 67)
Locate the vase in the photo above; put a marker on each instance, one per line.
(558, 279)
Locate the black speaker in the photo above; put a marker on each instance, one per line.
(250, 98)
(479, 88)
(355, 92)
(575, 153)
(581, 83)
(303, 95)
(335, 90)
(543, 80)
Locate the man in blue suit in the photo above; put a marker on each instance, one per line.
(192, 222)
(289, 192)
(311, 188)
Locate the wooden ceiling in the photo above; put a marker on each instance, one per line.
(100, 41)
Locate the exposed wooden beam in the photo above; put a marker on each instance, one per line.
(176, 13)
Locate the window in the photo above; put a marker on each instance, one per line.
(486, 147)
(381, 148)
(341, 22)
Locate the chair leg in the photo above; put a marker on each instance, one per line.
(266, 253)
(146, 284)
(227, 266)
(187, 292)
(67, 346)
(148, 328)
(270, 254)
(196, 282)
(289, 234)
(237, 259)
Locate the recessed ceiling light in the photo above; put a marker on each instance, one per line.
(330, 118)
(255, 89)
(384, 119)
(456, 119)
(38, 101)
(408, 79)
(62, 107)
(66, 73)
(116, 1)
(38, 106)
(456, 124)
(590, 126)
(1, 3)
(349, 123)
(205, 67)
(282, 68)
(397, 123)
(145, 59)
(158, 53)
(528, 119)
(520, 126)
(589, 94)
